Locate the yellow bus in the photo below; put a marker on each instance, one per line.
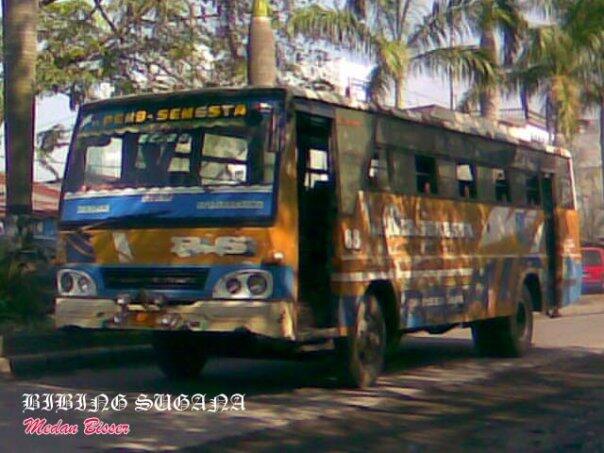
(240, 221)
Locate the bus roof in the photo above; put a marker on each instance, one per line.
(439, 117)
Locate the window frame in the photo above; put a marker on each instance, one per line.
(472, 194)
(432, 176)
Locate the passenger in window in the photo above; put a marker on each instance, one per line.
(466, 181)
(502, 189)
(466, 191)
(427, 187)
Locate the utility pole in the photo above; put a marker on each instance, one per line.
(20, 49)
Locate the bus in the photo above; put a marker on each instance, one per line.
(281, 220)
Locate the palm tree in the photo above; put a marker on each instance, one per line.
(489, 19)
(19, 58)
(562, 63)
(390, 32)
(585, 20)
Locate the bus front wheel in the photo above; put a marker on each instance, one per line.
(509, 336)
(179, 355)
(362, 351)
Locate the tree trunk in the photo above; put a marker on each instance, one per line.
(490, 100)
(399, 92)
(554, 105)
(602, 142)
(20, 48)
(262, 63)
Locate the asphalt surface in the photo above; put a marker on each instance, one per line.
(435, 394)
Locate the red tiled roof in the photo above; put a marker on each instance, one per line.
(45, 197)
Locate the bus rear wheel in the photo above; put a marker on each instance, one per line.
(510, 336)
(362, 351)
(179, 355)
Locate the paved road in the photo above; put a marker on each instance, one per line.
(435, 394)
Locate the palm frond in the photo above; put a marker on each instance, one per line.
(513, 26)
(566, 99)
(469, 63)
(394, 58)
(357, 7)
(337, 27)
(448, 17)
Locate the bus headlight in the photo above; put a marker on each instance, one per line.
(257, 284)
(254, 284)
(75, 283)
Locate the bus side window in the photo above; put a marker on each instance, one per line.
(377, 172)
(502, 185)
(317, 168)
(533, 197)
(425, 171)
(466, 179)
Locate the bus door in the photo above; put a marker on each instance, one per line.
(317, 213)
(549, 229)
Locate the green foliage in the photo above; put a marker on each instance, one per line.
(398, 36)
(22, 298)
(562, 62)
(133, 46)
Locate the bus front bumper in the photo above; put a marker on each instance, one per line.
(273, 319)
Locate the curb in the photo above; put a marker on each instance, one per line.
(65, 361)
(68, 340)
(592, 304)
(58, 352)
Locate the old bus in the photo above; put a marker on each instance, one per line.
(228, 219)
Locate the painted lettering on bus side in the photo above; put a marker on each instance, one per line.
(396, 225)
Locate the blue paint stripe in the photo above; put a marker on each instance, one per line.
(180, 206)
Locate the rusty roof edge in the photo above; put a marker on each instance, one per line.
(437, 116)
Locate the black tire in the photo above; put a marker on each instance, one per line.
(179, 355)
(393, 345)
(509, 336)
(361, 353)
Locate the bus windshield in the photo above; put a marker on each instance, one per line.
(221, 145)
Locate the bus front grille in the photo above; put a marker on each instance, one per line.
(155, 278)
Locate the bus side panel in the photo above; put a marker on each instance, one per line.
(449, 261)
(569, 270)
(353, 268)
